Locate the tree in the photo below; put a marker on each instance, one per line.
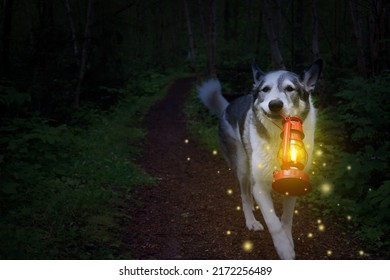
(84, 53)
(212, 39)
(7, 31)
(268, 20)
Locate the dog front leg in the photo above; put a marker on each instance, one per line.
(287, 216)
(280, 239)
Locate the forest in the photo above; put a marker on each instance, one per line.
(77, 78)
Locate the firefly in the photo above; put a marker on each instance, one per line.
(247, 246)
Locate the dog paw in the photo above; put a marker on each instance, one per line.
(254, 225)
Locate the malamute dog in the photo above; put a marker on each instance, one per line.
(249, 136)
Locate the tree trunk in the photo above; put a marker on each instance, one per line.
(85, 52)
(192, 52)
(202, 21)
(7, 31)
(212, 39)
(314, 30)
(357, 35)
(268, 19)
(73, 31)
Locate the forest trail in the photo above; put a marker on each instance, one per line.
(189, 214)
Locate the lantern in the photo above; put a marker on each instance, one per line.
(292, 157)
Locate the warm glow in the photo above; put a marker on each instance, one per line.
(293, 154)
(229, 191)
(228, 232)
(326, 188)
(247, 246)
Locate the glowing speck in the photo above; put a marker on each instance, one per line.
(275, 167)
(326, 188)
(186, 141)
(218, 172)
(188, 158)
(338, 204)
(319, 221)
(238, 208)
(313, 172)
(329, 252)
(321, 227)
(307, 146)
(319, 153)
(229, 191)
(268, 147)
(361, 253)
(259, 166)
(287, 193)
(310, 235)
(296, 212)
(349, 217)
(215, 152)
(369, 189)
(349, 167)
(324, 164)
(228, 232)
(271, 210)
(247, 246)
(314, 162)
(257, 207)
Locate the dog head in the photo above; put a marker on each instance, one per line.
(284, 92)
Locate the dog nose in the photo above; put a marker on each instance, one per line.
(275, 105)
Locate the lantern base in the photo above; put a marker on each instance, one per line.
(292, 182)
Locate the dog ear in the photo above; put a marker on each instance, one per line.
(257, 73)
(311, 75)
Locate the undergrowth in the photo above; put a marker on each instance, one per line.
(64, 188)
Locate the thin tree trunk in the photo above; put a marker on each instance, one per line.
(7, 31)
(212, 39)
(73, 31)
(203, 29)
(189, 30)
(273, 39)
(85, 53)
(314, 30)
(357, 35)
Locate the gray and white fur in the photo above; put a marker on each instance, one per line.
(249, 136)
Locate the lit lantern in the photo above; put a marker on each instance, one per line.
(292, 157)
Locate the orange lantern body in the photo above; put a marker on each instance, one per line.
(292, 156)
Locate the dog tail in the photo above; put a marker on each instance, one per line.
(210, 94)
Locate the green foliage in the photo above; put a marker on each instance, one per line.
(355, 158)
(201, 124)
(64, 187)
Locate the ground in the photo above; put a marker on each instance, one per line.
(191, 214)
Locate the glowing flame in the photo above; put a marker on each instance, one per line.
(293, 154)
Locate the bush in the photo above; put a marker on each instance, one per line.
(354, 157)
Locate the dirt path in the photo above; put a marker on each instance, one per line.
(191, 215)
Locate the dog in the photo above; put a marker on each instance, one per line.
(249, 136)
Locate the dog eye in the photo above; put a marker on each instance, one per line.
(289, 89)
(266, 89)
